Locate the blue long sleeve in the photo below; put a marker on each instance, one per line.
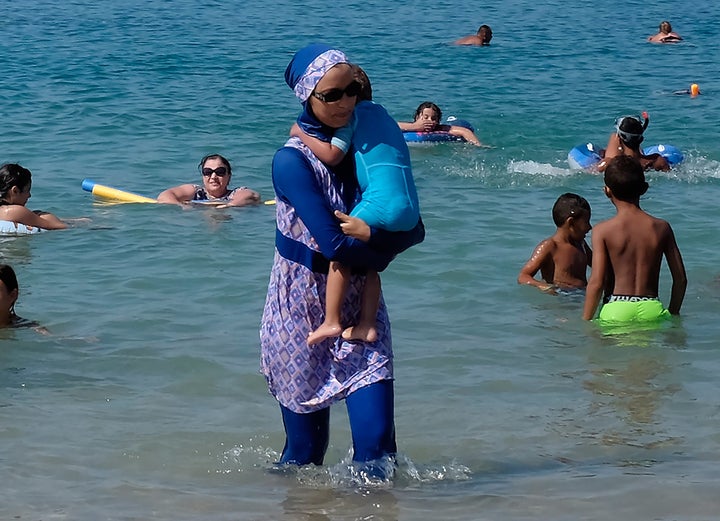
(295, 183)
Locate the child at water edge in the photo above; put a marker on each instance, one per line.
(562, 259)
(626, 141)
(427, 119)
(15, 185)
(629, 248)
(389, 201)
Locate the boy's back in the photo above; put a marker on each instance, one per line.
(635, 243)
(628, 251)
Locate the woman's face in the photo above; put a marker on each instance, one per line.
(334, 114)
(218, 179)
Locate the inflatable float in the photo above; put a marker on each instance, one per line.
(439, 136)
(587, 155)
(113, 194)
(12, 228)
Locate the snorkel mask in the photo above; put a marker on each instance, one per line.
(630, 128)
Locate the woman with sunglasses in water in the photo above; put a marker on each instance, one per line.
(307, 379)
(216, 174)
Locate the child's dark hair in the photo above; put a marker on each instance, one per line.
(8, 277)
(569, 205)
(215, 156)
(427, 105)
(625, 177)
(630, 130)
(12, 174)
(362, 79)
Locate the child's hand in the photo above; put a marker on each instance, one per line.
(354, 227)
(295, 130)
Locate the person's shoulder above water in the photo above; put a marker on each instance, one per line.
(665, 34)
(15, 186)
(482, 37)
(216, 176)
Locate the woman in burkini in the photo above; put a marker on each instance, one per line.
(306, 379)
(427, 119)
(15, 185)
(216, 175)
(389, 200)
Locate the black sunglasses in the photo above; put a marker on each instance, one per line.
(220, 171)
(333, 95)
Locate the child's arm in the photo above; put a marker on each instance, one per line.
(542, 254)
(465, 133)
(596, 284)
(417, 126)
(354, 226)
(328, 153)
(677, 270)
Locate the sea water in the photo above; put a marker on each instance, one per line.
(144, 399)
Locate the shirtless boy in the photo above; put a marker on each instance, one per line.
(628, 253)
(626, 141)
(562, 259)
(483, 37)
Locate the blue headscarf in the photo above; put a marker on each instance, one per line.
(302, 74)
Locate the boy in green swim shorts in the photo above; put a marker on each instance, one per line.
(628, 251)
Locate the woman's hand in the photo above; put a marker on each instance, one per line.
(354, 227)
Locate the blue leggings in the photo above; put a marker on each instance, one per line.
(371, 413)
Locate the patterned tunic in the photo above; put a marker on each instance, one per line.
(308, 378)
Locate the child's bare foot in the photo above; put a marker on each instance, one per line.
(323, 332)
(362, 332)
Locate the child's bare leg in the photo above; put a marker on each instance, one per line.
(337, 283)
(366, 329)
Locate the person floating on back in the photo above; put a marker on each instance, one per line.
(665, 34)
(562, 259)
(627, 254)
(483, 37)
(626, 141)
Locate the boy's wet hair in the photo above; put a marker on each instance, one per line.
(362, 78)
(569, 205)
(625, 177)
(12, 174)
(427, 105)
(665, 27)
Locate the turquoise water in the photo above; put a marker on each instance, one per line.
(145, 400)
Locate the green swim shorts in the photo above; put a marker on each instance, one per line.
(625, 308)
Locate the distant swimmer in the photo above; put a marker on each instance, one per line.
(483, 37)
(562, 259)
(665, 34)
(694, 90)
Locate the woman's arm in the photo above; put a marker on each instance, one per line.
(295, 183)
(177, 195)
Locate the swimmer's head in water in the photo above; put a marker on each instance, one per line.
(485, 34)
(665, 27)
(630, 129)
(570, 205)
(625, 177)
(434, 110)
(12, 174)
